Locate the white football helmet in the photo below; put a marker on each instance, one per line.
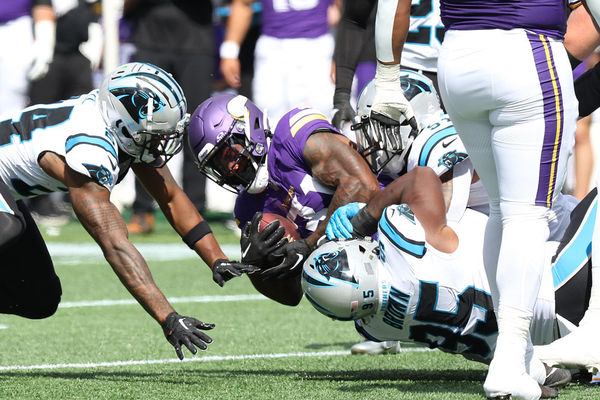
(386, 148)
(341, 279)
(145, 108)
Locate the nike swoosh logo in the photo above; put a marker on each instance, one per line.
(245, 251)
(298, 261)
(38, 116)
(180, 320)
(444, 145)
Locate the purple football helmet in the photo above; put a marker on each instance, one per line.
(229, 136)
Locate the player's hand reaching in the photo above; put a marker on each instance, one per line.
(351, 220)
(339, 225)
(342, 113)
(224, 270)
(389, 100)
(293, 253)
(258, 247)
(187, 331)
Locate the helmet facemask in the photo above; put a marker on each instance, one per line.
(231, 163)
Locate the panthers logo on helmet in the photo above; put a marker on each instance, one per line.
(333, 265)
(451, 158)
(135, 101)
(100, 173)
(413, 87)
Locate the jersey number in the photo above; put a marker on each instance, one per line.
(296, 5)
(423, 34)
(31, 120)
(450, 339)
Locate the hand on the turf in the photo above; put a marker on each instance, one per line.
(187, 331)
(339, 225)
(224, 270)
(294, 253)
(258, 247)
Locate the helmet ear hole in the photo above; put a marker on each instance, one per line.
(125, 132)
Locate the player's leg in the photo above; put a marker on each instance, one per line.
(271, 69)
(29, 286)
(576, 280)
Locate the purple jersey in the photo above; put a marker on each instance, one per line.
(295, 193)
(14, 9)
(546, 17)
(287, 19)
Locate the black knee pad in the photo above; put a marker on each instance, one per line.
(12, 228)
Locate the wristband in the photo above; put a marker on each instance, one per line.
(196, 233)
(229, 49)
(364, 224)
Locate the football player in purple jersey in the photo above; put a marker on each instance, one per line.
(303, 170)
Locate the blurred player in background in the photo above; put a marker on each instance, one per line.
(420, 51)
(303, 170)
(292, 56)
(84, 146)
(27, 36)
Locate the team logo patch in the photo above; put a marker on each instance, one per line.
(406, 212)
(135, 101)
(99, 173)
(333, 265)
(451, 158)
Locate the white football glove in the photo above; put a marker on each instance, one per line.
(389, 99)
(43, 48)
(92, 48)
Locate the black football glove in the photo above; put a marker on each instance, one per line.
(187, 331)
(342, 112)
(258, 247)
(224, 270)
(294, 253)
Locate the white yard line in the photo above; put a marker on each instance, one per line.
(193, 299)
(150, 251)
(192, 359)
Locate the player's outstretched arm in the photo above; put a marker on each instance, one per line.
(102, 220)
(187, 221)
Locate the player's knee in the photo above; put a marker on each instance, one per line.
(12, 228)
(46, 300)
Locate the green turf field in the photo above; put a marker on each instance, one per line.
(102, 345)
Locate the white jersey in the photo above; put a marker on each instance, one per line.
(438, 146)
(73, 129)
(438, 299)
(425, 36)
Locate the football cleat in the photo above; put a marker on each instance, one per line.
(374, 348)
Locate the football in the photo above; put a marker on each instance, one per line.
(291, 230)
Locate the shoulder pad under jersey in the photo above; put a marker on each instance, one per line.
(437, 146)
(402, 228)
(95, 156)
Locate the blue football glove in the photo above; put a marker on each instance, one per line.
(339, 226)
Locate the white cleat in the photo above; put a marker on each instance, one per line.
(373, 348)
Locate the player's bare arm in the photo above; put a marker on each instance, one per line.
(178, 209)
(421, 189)
(102, 220)
(336, 164)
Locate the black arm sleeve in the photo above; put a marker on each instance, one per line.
(350, 39)
(41, 3)
(587, 91)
